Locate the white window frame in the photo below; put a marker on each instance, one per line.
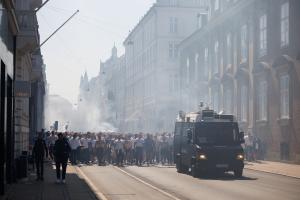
(173, 2)
(262, 100)
(216, 56)
(229, 49)
(188, 70)
(284, 24)
(244, 103)
(217, 5)
(173, 22)
(206, 62)
(244, 46)
(263, 35)
(173, 50)
(284, 96)
(196, 66)
(199, 21)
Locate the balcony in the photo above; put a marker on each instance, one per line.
(28, 38)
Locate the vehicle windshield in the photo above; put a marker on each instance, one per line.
(216, 134)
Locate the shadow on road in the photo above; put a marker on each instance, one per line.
(226, 177)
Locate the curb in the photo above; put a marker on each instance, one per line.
(99, 195)
(270, 172)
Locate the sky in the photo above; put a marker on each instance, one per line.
(85, 40)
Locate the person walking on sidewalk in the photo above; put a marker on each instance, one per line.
(61, 153)
(39, 151)
(51, 142)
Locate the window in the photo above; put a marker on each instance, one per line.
(216, 61)
(206, 62)
(244, 103)
(262, 100)
(244, 46)
(188, 70)
(173, 25)
(197, 67)
(173, 2)
(199, 22)
(284, 24)
(229, 49)
(217, 4)
(284, 96)
(228, 101)
(173, 50)
(263, 35)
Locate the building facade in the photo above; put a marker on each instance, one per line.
(22, 85)
(27, 43)
(112, 90)
(8, 31)
(151, 60)
(38, 93)
(246, 61)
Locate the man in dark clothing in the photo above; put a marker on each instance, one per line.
(61, 152)
(39, 151)
(149, 147)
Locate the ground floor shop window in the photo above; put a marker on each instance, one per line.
(262, 100)
(284, 96)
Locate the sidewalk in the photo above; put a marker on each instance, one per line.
(75, 188)
(285, 169)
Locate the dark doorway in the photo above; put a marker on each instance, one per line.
(284, 151)
(9, 133)
(2, 127)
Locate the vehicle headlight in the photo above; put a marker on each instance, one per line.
(240, 157)
(202, 157)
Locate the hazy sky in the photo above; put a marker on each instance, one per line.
(86, 39)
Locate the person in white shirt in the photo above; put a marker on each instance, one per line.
(119, 148)
(75, 144)
(51, 142)
(84, 149)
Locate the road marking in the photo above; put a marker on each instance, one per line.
(99, 194)
(148, 184)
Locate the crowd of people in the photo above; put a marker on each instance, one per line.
(115, 148)
(254, 148)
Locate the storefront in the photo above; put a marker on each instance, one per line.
(8, 30)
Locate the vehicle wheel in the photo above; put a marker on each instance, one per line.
(194, 171)
(238, 173)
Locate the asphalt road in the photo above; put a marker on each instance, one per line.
(143, 183)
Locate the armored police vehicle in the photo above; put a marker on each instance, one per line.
(207, 142)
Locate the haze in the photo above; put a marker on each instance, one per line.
(86, 39)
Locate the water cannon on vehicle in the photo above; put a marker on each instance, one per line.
(204, 114)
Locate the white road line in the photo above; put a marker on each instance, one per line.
(148, 184)
(99, 194)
